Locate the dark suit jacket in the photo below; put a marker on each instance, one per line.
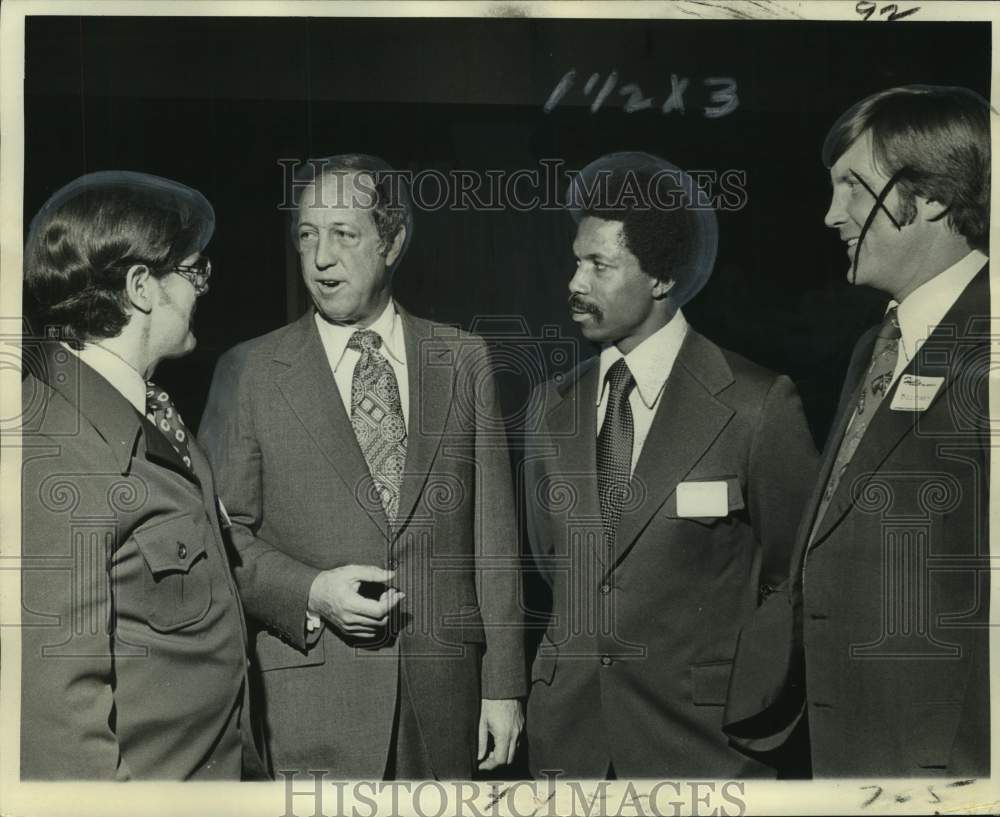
(295, 483)
(134, 658)
(881, 636)
(634, 666)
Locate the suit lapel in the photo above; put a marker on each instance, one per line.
(687, 422)
(572, 427)
(430, 369)
(888, 427)
(311, 392)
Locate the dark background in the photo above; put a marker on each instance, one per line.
(216, 102)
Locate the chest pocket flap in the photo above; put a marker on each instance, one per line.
(177, 587)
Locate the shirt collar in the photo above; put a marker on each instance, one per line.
(388, 326)
(923, 309)
(650, 362)
(126, 380)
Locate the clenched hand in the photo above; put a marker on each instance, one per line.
(334, 596)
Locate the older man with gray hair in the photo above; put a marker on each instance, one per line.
(369, 489)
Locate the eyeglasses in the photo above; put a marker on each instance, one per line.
(197, 273)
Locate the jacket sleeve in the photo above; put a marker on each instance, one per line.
(498, 568)
(533, 472)
(67, 666)
(274, 587)
(783, 469)
(765, 698)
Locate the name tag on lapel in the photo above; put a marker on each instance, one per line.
(915, 393)
(702, 499)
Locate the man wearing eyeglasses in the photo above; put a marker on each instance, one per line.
(134, 655)
(879, 645)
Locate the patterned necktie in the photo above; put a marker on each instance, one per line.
(614, 449)
(163, 414)
(377, 418)
(873, 388)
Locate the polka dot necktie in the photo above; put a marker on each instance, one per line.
(614, 449)
(377, 418)
(873, 388)
(162, 413)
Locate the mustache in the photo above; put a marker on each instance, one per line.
(577, 303)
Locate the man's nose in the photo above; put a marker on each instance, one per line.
(836, 215)
(326, 252)
(579, 284)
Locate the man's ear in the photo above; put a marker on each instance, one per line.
(661, 289)
(396, 247)
(139, 285)
(930, 209)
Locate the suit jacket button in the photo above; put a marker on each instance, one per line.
(182, 552)
(606, 660)
(393, 564)
(605, 589)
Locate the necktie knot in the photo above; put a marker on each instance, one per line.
(619, 379)
(158, 400)
(886, 350)
(365, 340)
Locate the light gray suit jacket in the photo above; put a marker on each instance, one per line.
(296, 485)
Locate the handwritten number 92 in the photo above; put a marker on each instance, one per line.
(866, 8)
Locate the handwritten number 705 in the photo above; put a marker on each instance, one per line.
(866, 8)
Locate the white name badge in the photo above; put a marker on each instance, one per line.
(915, 393)
(703, 498)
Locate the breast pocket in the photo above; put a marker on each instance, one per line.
(177, 588)
(722, 497)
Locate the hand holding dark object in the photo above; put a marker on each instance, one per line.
(337, 596)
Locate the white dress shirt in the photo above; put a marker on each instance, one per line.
(922, 310)
(650, 364)
(389, 327)
(123, 378)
